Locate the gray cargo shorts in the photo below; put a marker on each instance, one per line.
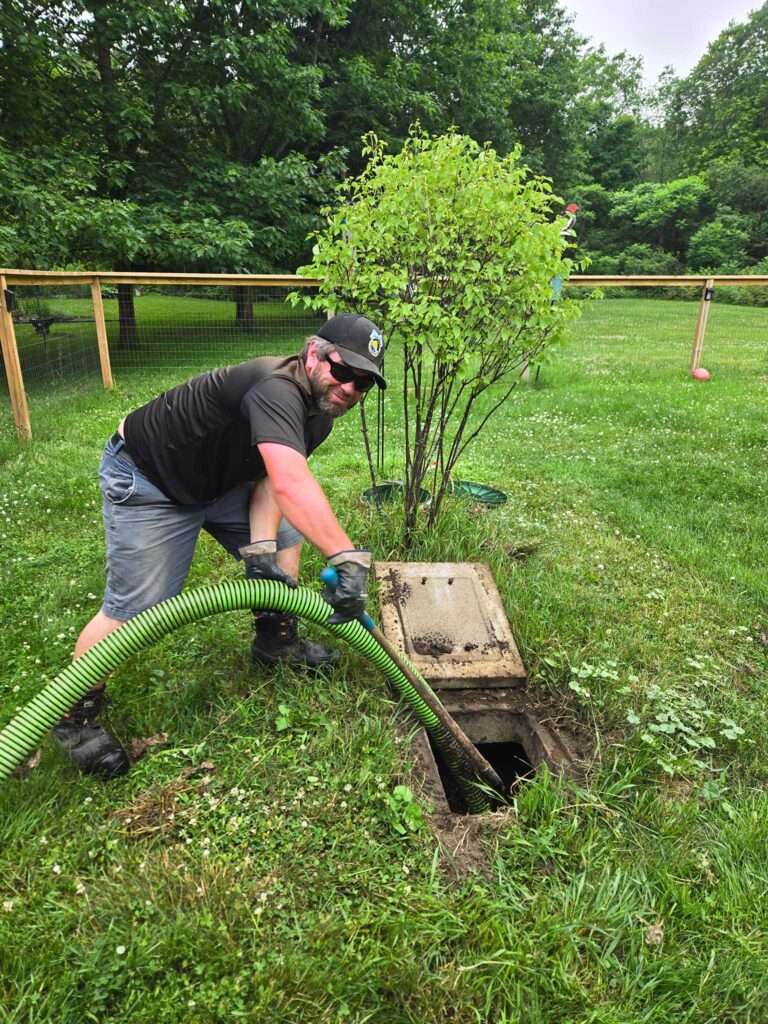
(151, 539)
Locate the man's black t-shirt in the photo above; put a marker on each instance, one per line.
(198, 440)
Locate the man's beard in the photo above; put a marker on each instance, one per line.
(321, 394)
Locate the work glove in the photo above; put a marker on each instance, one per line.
(349, 596)
(260, 560)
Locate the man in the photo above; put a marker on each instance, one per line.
(227, 452)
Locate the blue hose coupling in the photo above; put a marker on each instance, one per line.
(330, 578)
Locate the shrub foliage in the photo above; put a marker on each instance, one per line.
(452, 249)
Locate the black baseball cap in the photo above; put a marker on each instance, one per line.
(358, 341)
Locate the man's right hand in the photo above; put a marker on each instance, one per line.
(260, 560)
(350, 596)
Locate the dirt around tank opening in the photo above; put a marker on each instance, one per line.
(517, 734)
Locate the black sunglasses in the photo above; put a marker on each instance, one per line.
(342, 373)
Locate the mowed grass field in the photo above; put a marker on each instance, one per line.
(260, 865)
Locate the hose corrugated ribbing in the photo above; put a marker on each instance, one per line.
(20, 737)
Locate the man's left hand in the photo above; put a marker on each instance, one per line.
(349, 596)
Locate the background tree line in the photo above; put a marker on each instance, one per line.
(207, 134)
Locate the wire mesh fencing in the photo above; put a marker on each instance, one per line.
(151, 328)
(621, 327)
(630, 322)
(201, 328)
(171, 329)
(55, 337)
(737, 331)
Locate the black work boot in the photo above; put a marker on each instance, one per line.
(277, 642)
(89, 746)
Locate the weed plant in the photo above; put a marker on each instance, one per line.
(273, 859)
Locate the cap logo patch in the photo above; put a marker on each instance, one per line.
(375, 344)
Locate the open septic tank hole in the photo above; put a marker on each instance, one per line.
(509, 760)
(514, 742)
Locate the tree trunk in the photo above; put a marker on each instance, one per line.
(129, 337)
(244, 308)
(108, 95)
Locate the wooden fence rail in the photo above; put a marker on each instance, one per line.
(9, 278)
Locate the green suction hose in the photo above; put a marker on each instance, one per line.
(20, 737)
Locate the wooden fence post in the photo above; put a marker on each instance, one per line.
(701, 324)
(101, 333)
(13, 366)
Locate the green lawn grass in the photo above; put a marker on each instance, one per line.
(275, 885)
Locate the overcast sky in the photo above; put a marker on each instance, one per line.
(662, 32)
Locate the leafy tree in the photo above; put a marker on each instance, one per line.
(54, 219)
(737, 186)
(186, 112)
(208, 135)
(638, 258)
(519, 74)
(665, 156)
(721, 108)
(499, 71)
(452, 249)
(720, 245)
(616, 152)
(374, 67)
(661, 214)
(608, 120)
(594, 227)
(510, 74)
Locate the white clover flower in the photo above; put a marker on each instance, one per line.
(120, 950)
